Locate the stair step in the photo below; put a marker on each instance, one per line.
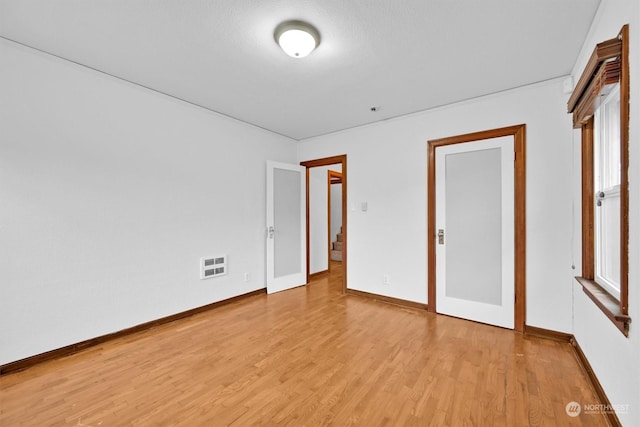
(339, 237)
(337, 246)
(336, 255)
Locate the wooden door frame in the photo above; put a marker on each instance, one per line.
(519, 145)
(333, 177)
(328, 161)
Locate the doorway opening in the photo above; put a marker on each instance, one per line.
(335, 237)
(340, 163)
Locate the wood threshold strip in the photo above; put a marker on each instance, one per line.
(610, 415)
(389, 300)
(22, 364)
(606, 303)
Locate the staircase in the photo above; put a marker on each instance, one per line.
(336, 247)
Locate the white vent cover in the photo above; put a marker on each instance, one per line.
(213, 266)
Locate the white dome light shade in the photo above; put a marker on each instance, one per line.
(297, 43)
(296, 38)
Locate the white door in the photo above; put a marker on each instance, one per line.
(475, 257)
(286, 226)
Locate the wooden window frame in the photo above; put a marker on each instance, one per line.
(608, 64)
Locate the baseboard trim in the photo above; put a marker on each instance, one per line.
(20, 365)
(612, 418)
(318, 274)
(389, 300)
(547, 333)
(31, 361)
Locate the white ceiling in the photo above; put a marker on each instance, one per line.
(402, 56)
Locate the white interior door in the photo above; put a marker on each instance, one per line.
(475, 257)
(286, 226)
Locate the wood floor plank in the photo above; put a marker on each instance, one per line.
(310, 356)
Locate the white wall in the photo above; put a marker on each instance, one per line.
(397, 206)
(109, 195)
(397, 198)
(613, 357)
(318, 218)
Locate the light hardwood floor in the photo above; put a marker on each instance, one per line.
(306, 357)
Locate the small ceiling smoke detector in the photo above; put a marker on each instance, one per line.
(296, 38)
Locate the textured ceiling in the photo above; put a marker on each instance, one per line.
(402, 56)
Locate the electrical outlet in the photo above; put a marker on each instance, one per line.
(385, 279)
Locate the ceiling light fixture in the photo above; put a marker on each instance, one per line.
(296, 38)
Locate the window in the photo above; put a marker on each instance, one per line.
(606, 165)
(600, 107)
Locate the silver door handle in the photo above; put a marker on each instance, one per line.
(270, 232)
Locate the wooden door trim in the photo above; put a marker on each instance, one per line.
(519, 145)
(328, 161)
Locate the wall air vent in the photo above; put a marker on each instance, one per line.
(213, 266)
